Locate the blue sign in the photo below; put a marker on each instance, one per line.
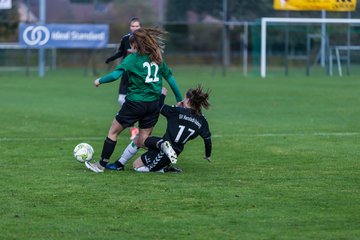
(64, 35)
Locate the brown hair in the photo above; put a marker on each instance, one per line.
(198, 98)
(149, 41)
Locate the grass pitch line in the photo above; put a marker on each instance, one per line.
(341, 134)
(289, 134)
(9, 139)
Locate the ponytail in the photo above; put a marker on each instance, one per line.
(198, 98)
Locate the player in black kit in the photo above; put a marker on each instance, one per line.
(184, 123)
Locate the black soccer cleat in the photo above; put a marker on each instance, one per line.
(171, 168)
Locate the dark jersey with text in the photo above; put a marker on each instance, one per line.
(183, 124)
(123, 50)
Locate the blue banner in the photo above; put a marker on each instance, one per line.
(64, 35)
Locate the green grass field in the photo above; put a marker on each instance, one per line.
(285, 161)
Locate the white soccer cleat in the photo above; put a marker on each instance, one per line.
(95, 167)
(169, 151)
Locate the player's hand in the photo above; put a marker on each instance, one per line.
(164, 91)
(97, 82)
(208, 159)
(180, 104)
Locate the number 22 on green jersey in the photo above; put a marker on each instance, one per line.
(151, 66)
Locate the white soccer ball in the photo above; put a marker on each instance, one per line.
(83, 152)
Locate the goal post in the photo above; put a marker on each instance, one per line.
(265, 21)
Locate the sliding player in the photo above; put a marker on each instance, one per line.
(183, 124)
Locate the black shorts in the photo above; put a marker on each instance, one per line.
(155, 160)
(146, 113)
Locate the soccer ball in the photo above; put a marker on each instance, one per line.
(83, 152)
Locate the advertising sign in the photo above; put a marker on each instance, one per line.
(64, 35)
(5, 4)
(309, 5)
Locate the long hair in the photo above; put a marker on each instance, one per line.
(198, 98)
(149, 41)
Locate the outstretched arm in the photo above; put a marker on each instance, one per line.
(208, 148)
(162, 97)
(175, 88)
(119, 53)
(114, 75)
(113, 57)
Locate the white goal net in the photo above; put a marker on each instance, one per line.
(333, 48)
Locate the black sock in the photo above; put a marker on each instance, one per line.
(119, 164)
(153, 142)
(107, 151)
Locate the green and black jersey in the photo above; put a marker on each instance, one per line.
(145, 78)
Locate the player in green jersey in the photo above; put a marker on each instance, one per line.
(124, 50)
(146, 70)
